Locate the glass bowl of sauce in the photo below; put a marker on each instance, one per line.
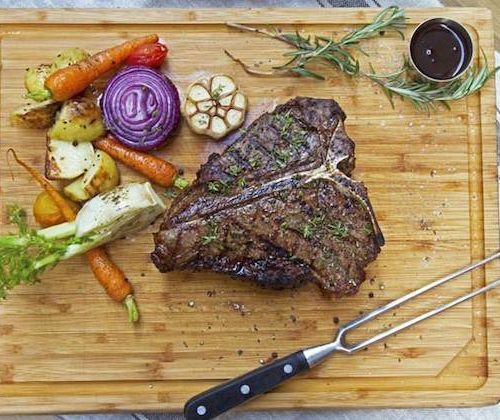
(441, 49)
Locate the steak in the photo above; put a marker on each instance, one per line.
(278, 206)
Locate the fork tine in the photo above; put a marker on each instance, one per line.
(403, 299)
(420, 318)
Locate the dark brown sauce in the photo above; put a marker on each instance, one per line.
(441, 49)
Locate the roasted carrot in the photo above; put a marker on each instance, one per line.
(157, 170)
(69, 81)
(67, 211)
(108, 274)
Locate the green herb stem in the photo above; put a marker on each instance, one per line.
(132, 309)
(338, 54)
(26, 255)
(424, 95)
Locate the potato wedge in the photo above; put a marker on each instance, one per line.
(35, 114)
(68, 57)
(34, 82)
(80, 119)
(66, 159)
(102, 176)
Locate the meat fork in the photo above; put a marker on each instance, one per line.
(221, 398)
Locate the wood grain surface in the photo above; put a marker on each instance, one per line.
(64, 346)
(493, 5)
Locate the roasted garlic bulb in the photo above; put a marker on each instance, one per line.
(214, 106)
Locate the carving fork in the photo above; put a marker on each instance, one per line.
(232, 393)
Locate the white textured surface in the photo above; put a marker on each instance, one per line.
(484, 413)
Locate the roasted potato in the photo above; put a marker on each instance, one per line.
(69, 57)
(80, 119)
(35, 114)
(34, 82)
(102, 176)
(67, 159)
(46, 212)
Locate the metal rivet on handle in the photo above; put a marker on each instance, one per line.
(245, 389)
(201, 410)
(288, 368)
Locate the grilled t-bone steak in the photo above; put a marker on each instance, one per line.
(277, 206)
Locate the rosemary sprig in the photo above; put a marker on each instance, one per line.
(426, 95)
(309, 49)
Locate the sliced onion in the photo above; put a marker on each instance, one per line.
(141, 107)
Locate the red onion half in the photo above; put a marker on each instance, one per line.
(141, 107)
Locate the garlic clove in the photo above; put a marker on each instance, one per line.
(205, 105)
(221, 86)
(226, 100)
(239, 100)
(234, 117)
(190, 108)
(200, 121)
(218, 126)
(198, 93)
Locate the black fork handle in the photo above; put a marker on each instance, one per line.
(230, 394)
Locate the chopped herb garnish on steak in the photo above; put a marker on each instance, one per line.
(235, 170)
(338, 229)
(170, 193)
(218, 187)
(254, 162)
(284, 122)
(311, 226)
(281, 156)
(298, 141)
(318, 219)
(242, 183)
(368, 229)
(307, 230)
(212, 233)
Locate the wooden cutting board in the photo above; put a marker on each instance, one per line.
(432, 179)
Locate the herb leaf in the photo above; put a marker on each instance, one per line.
(281, 156)
(338, 229)
(425, 95)
(308, 50)
(219, 187)
(234, 170)
(212, 233)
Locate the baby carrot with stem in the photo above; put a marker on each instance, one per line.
(69, 81)
(109, 275)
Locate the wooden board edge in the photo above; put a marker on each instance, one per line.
(216, 15)
(166, 397)
(84, 395)
(490, 390)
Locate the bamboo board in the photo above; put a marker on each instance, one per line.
(432, 179)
